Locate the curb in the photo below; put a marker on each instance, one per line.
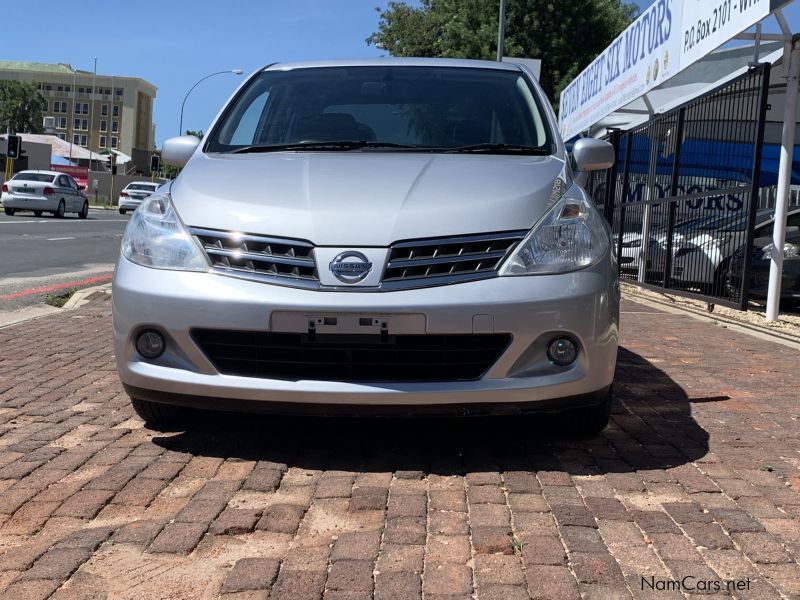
(30, 313)
(746, 328)
(81, 297)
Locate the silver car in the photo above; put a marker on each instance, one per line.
(395, 235)
(44, 191)
(132, 195)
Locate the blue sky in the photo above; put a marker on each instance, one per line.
(179, 41)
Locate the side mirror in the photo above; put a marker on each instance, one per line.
(177, 151)
(590, 154)
(81, 187)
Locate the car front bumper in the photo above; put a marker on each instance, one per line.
(583, 305)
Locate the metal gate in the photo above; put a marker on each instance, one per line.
(682, 199)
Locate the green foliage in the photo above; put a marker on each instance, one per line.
(20, 107)
(59, 299)
(565, 34)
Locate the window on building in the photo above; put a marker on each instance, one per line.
(83, 140)
(62, 123)
(64, 107)
(114, 142)
(85, 108)
(77, 108)
(85, 124)
(76, 138)
(114, 126)
(45, 106)
(119, 93)
(60, 88)
(62, 136)
(67, 88)
(103, 125)
(115, 111)
(76, 124)
(102, 141)
(104, 110)
(48, 87)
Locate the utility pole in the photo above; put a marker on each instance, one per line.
(501, 31)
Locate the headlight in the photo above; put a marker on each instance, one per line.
(572, 235)
(156, 238)
(684, 250)
(789, 251)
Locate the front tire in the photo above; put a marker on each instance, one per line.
(9, 211)
(59, 214)
(591, 420)
(156, 414)
(84, 210)
(122, 211)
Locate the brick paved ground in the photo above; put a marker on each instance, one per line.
(698, 475)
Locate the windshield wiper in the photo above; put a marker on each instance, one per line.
(345, 145)
(497, 148)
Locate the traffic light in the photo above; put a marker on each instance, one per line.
(155, 163)
(112, 161)
(14, 146)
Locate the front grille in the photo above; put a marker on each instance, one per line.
(259, 256)
(448, 260)
(337, 357)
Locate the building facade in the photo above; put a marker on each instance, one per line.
(97, 113)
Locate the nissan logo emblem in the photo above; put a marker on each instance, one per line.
(350, 267)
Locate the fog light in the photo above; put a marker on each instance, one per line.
(150, 344)
(562, 351)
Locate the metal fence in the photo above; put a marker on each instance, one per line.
(682, 198)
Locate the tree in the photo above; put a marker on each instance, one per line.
(565, 34)
(170, 172)
(20, 107)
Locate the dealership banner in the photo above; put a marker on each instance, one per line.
(667, 37)
(79, 174)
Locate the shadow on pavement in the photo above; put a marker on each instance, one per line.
(652, 428)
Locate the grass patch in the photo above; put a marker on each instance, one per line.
(59, 299)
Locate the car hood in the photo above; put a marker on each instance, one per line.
(364, 199)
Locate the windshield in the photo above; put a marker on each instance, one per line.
(399, 107)
(736, 222)
(42, 177)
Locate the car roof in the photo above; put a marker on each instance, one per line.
(42, 172)
(397, 62)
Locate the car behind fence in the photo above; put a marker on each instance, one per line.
(683, 197)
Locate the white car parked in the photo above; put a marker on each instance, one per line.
(703, 259)
(44, 191)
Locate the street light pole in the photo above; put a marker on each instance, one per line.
(501, 31)
(72, 119)
(234, 71)
(91, 114)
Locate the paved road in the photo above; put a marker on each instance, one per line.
(45, 253)
(696, 480)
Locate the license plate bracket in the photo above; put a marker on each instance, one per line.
(348, 323)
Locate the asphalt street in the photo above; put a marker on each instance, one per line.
(47, 254)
